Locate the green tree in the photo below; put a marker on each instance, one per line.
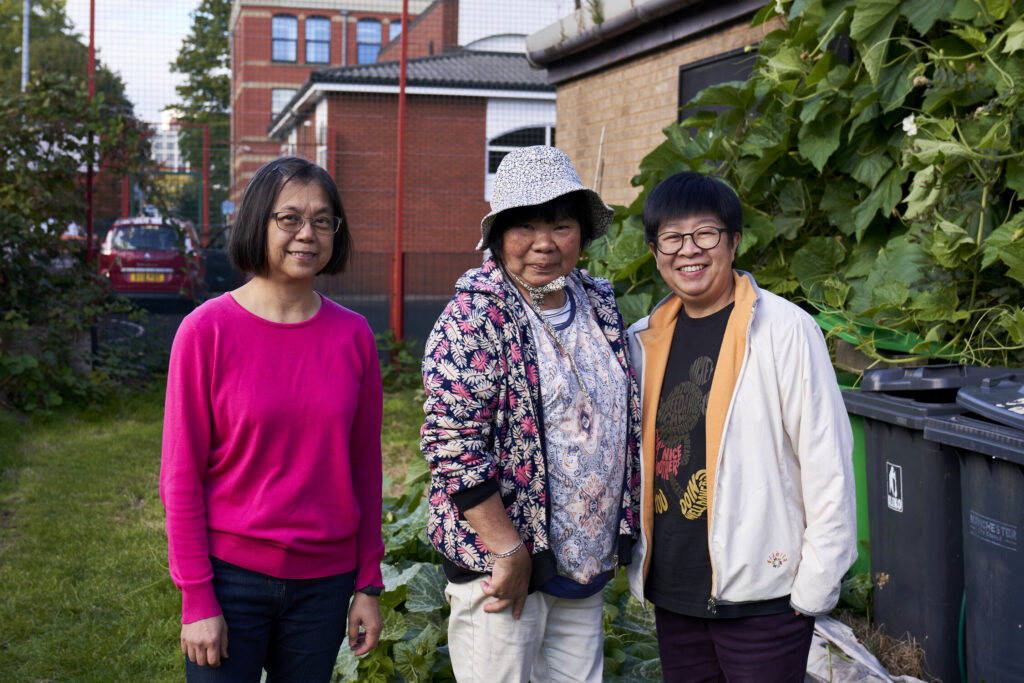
(877, 149)
(205, 96)
(48, 294)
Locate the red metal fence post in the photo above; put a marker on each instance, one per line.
(397, 257)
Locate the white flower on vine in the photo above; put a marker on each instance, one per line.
(909, 127)
(778, 7)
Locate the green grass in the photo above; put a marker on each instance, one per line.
(84, 589)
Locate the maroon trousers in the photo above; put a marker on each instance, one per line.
(763, 649)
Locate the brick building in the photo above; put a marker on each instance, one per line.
(276, 44)
(471, 96)
(623, 80)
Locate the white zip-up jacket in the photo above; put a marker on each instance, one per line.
(780, 487)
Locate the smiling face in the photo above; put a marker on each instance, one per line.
(702, 278)
(298, 255)
(538, 251)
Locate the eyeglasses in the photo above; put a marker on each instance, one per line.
(669, 243)
(293, 222)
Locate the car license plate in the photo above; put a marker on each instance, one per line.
(147, 277)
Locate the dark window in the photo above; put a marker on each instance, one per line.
(285, 30)
(279, 99)
(146, 238)
(368, 33)
(498, 147)
(318, 40)
(731, 66)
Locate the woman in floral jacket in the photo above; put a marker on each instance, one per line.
(531, 433)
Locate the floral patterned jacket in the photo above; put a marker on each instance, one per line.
(484, 431)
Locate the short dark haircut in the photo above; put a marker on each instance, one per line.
(688, 194)
(575, 205)
(247, 246)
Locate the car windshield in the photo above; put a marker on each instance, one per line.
(146, 237)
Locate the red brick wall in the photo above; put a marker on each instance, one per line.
(433, 32)
(255, 75)
(444, 185)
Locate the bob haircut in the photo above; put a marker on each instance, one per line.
(688, 194)
(571, 205)
(247, 246)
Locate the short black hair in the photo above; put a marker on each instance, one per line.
(687, 194)
(247, 246)
(575, 205)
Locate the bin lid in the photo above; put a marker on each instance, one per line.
(979, 436)
(997, 398)
(897, 410)
(926, 377)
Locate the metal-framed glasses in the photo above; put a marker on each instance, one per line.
(669, 243)
(289, 221)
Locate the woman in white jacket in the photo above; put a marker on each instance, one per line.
(747, 512)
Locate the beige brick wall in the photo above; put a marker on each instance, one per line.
(633, 102)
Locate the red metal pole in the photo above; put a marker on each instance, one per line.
(206, 185)
(398, 257)
(89, 152)
(126, 196)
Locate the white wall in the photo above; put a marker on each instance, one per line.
(482, 18)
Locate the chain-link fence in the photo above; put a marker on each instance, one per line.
(223, 87)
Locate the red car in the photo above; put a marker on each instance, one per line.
(153, 257)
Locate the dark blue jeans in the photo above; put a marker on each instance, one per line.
(765, 649)
(291, 627)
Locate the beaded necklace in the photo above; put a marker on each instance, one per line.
(537, 295)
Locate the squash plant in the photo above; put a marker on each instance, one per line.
(877, 150)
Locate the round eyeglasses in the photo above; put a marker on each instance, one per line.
(669, 243)
(293, 222)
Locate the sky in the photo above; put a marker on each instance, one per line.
(139, 39)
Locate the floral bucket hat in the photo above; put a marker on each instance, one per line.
(530, 176)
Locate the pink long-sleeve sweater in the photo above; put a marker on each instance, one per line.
(271, 449)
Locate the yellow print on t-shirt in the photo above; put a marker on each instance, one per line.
(694, 501)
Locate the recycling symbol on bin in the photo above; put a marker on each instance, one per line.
(894, 486)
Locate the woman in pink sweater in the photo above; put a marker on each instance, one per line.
(271, 466)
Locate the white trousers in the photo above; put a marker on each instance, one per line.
(554, 640)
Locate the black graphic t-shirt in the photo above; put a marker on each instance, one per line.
(680, 572)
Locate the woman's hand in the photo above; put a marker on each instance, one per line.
(364, 612)
(509, 583)
(205, 641)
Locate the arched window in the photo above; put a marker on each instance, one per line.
(524, 137)
(368, 33)
(285, 36)
(318, 40)
(501, 145)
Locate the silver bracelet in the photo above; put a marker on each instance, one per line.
(509, 553)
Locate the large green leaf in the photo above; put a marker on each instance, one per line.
(1013, 175)
(838, 202)
(815, 263)
(426, 589)
(414, 659)
(873, 163)
(819, 139)
(635, 306)
(1006, 244)
(950, 245)
(868, 15)
(737, 94)
(997, 9)
(925, 192)
(936, 304)
(870, 29)
(922, 14)
(1014, 37)
(883, 198)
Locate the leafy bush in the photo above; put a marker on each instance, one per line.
(877, 151)
(49, 296)
(400, 361)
